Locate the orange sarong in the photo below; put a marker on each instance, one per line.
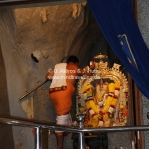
(62, 100)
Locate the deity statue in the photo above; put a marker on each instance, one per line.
(103, 98)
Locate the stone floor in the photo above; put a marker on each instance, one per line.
(68, 142)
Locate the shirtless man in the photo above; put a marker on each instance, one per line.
(62, 100)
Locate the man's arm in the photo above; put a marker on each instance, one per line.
(49, 75)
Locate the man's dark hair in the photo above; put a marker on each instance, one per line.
(72, 59)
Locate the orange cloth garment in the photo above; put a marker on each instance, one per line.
(62, 100)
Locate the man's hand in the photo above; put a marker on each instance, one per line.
(49, 75)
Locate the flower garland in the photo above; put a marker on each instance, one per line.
(102, 113)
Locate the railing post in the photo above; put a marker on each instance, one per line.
(38, 139)
(81, 140)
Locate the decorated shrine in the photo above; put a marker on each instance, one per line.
(103, 97)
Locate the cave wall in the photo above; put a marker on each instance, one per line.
(51, 34)
(6, 135)
(24, 31)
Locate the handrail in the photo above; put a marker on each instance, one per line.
(80, 130)
(50, 125)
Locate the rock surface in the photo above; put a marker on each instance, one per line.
(51, 33)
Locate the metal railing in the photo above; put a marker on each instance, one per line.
(38, 125)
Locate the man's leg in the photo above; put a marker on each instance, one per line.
(60, 140)
(66, 121)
